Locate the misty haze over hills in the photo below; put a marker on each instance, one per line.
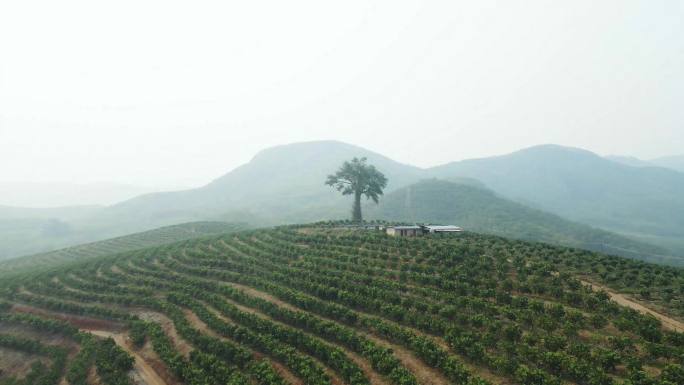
(58, 194)
(585, 187)
(675, 162)
(551, 193)
(481, 210)
(270, 193)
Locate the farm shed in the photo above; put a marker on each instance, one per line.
(442, 229)
(405, 231)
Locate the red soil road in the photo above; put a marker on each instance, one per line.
(181, 345)
(668, 323)
(142, 369)
(78, 321)
(143, 372)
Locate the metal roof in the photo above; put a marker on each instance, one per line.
(405, 227)
(443, 228)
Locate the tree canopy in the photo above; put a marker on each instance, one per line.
(360, 179)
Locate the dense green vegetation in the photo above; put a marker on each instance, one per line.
(478, 209)
(582, 186)
(111, 363)
(325, 304)
(358, 179)
(125, 243)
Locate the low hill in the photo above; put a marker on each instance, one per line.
(316, 305)
(631, 161)
(675, 162)
(481, 210)
(33, 230)
(156, 237)
(279, 185)
(284, 185)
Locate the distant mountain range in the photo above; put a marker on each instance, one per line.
(548, 193)
(672, 162)
(584, 187)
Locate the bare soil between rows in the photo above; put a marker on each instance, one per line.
(668, 322)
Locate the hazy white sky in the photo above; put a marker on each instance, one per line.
(177, 93)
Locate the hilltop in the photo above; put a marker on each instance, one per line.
(279, 185)
(284, 185)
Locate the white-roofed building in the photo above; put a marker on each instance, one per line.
(405, 231)
(442, 229)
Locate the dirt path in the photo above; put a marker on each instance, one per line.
(143, 374)
(93, 378)
(78, 321)
(668, 323)
(181, 345)
(146, 375)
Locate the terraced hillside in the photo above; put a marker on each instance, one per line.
(314, 305)
(156, 237)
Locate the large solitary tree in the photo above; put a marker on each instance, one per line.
(358, 178)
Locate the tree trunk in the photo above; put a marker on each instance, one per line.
(356, 210)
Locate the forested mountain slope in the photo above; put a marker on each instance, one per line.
(478, 209)
(631, 161)
(284, 184)
(675, 162)
(284, 181)
(582, 186)
(320, 305)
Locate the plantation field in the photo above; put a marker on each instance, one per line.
(320, 305)
(111, 246)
